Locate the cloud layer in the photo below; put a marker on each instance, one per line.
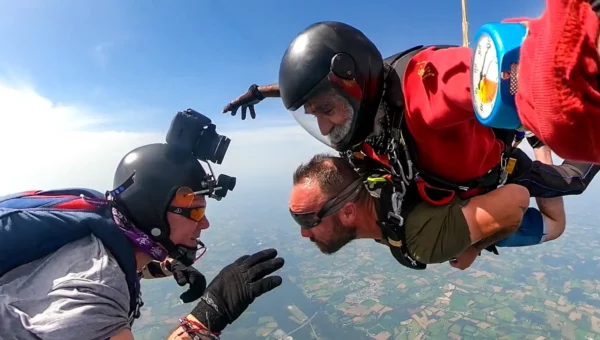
(48, 145)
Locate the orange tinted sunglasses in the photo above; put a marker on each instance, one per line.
(181, 202)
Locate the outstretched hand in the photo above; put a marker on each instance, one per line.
(246, 102)
(237, 285)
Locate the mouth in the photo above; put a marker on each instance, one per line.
(196, 239)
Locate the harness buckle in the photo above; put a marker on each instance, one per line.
(503, 172)
(410, 259)
(395, 165)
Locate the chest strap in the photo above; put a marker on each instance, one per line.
(391, 221)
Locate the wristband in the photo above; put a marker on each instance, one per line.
(255, 92)
(194, 328)
(208, 311)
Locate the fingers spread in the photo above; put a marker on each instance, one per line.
(263, 269)
(261, 256)
(241, 259)
(265, 285)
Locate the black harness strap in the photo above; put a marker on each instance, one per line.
(393, 232)
(390, 218)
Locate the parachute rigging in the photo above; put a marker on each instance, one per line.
(465, 23)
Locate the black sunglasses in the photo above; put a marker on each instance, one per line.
(311, 219)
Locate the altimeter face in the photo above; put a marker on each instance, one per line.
(485, 74)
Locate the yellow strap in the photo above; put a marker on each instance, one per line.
(510, 166)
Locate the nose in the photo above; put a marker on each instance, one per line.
(325, 125)
(204, 223)
(305, 233)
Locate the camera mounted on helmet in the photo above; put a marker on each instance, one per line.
(196, 133)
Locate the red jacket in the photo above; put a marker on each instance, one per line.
(558, 96)
(450, 141)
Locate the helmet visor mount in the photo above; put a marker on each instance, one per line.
(329, 110)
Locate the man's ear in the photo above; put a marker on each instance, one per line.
(348, 214)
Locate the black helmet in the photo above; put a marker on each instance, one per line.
(150, 175)
(333, 55)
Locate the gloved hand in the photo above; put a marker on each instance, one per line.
(246, 101)
(237, 285)
(187, 275)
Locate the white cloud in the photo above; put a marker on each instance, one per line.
(46, 145)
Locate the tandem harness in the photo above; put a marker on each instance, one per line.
(394, 177)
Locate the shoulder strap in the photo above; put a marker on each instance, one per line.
(393, 230)
(120, 247)
(33, 224)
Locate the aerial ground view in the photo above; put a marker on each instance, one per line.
(550, 291)
(82, 83)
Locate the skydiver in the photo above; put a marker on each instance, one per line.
(333, 207)
(410, 119)
(78, 277)
(558, 96)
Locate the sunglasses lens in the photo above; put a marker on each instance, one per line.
(307, 220)
(183, 197)
(197, 214)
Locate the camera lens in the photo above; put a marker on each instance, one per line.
(227, 183)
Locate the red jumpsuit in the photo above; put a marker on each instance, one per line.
(558, 96)
(450, 141)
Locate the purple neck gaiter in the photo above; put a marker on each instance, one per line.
(139, 238)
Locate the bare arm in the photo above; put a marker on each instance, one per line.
(177, 334)
(552, 209)
(180, 334)
(253, 96)
(270, 91)
(491, 217)
(495, 215)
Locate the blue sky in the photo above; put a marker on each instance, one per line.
(141, 61)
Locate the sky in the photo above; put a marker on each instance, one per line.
(83, 82)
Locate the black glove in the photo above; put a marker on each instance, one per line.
(246, 101)
(237, 285)
(188, 275)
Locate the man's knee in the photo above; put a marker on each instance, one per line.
(533, 230)
(554, 229)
